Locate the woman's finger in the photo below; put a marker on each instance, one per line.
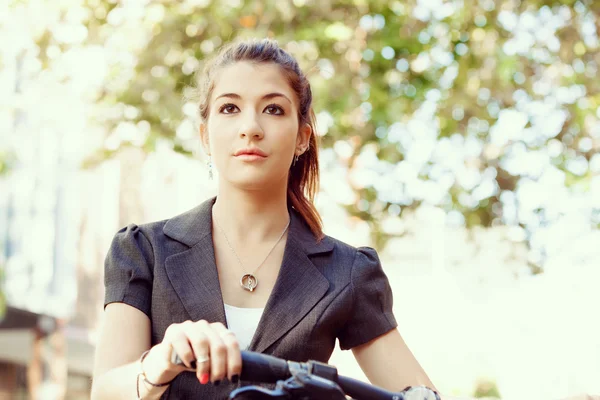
(200, 342)
(218, 354)
(234, 355)
(175, 343)
(181, 346)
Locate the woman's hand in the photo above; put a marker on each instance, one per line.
(208, 348)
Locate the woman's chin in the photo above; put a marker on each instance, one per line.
(252, 183)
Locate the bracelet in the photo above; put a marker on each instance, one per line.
(143, 375)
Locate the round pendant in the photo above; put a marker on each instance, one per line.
(249, 282)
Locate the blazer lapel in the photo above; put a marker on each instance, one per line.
(299, 286)
(193, 272)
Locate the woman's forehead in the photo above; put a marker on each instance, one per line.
(252, 80)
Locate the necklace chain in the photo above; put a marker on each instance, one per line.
(249, 281)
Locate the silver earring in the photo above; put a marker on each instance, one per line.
(210, 171)
(295, 160)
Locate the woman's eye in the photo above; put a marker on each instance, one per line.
(228, 108)
(274, 109)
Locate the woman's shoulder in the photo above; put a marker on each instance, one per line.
(187, 227)
(354, 251)
(350, 261)
(142, 231)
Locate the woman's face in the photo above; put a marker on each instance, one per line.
(252, 132)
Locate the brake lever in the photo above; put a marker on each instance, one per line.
(300, 386)
(258, 393)
(316, 387)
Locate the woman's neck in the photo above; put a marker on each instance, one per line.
(251, 216)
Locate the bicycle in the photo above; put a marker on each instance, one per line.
(312, 380)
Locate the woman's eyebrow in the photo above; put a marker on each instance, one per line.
(275, 94)
(267, 96)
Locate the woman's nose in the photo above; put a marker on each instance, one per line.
(251, 127)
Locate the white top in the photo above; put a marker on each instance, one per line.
(243, 322)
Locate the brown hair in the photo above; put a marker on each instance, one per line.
(303, 180)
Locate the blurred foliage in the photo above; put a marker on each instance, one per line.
(417, 83)
(6, 162)
(486, 388)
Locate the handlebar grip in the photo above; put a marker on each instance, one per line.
(256, 367)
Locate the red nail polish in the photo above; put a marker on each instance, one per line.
(204, 378)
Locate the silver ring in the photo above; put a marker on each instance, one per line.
(202, 359)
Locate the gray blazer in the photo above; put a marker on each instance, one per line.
(325, 290)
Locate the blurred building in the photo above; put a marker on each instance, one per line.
(57, 221)
(51, 298)
(39, 238)
(56, 224)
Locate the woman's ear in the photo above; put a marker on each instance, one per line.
(303, 140)
(204, 138)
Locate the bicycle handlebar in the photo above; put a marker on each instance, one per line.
(258, 367)
(263, 368)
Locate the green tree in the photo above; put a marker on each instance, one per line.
(462, 104)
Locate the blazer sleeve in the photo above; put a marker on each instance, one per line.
(128, 270)
(371, 314)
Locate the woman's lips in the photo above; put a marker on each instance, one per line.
(250, 157)
(250, 154)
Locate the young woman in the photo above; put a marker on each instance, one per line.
(251, 268)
